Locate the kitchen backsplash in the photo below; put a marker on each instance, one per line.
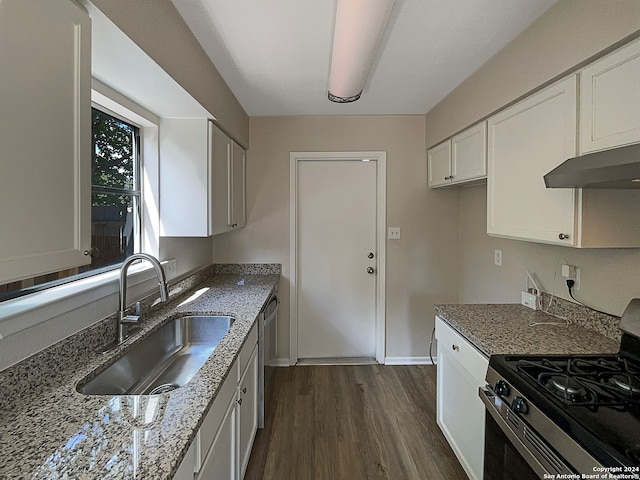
(604, 324)
(248, 269)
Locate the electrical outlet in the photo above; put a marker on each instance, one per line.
(170, 268)
(497, 257)
(571, 272)
(394, 233)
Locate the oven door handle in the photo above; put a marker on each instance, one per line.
(544, 460)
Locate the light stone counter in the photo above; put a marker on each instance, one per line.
(50, 431)
(518, 330)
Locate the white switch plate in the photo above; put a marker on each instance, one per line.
(394, 233)
(497, 257)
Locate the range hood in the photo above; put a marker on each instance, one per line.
(617, 168)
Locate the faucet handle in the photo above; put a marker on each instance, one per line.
(130, 319)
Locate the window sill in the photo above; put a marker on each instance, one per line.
(26, 312)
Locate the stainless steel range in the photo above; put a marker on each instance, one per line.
(575, 416)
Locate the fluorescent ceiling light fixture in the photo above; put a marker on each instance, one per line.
(357, 34)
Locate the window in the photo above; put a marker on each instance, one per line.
(116, 204)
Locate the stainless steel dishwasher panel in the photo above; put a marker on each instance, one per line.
(267, 351)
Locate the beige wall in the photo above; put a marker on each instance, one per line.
(420, 266)
(157, 28)
(609, 277)
(565, 36)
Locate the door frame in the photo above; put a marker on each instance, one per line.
(380, 157)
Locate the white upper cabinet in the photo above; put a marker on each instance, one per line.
(45, 133)
(610, 100)
(201, 179)
(461, 159)
(526, 141)
(237, 201)
(469, 154)
(185, 173)
(228, 183)
(439, 165)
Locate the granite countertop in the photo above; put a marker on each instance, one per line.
(518, 330)
(50, 431)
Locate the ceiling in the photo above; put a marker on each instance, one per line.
(275, 54)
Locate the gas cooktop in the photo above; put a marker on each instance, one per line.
(595, 399)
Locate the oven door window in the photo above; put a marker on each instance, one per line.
(501, 459)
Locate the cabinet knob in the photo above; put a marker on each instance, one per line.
(370, 270)
(450, 177)
(92, 252)
(455, 347)
(239, 401)
(244, 390)
(563, 236)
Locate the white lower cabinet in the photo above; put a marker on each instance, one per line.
(248, 411)
(220, 462)
(185, 470)
(223, 444)
(460, 412)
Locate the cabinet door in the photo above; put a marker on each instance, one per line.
(526, 141)
(184, 177)
(610, 100)
(460, 412)
(439, 164)
(221, 151)
(469, 154)
(45, 133)
(220, 461)
(185, 470)
(237, 199)
(248, 408)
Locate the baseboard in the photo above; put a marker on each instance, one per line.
(408, 361)
(284, 362)
(279, 362)
(337, 361)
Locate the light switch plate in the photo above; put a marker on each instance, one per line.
(394, 233)
(170, 268)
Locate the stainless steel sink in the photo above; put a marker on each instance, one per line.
(164, 361)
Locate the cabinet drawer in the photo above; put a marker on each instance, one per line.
(247, 349)
(461, 350)
(211, 424)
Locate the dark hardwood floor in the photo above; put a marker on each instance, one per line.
(352, 423)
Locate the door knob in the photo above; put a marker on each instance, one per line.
(370, 271)
(371, 255)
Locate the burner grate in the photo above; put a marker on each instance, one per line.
(591, 382)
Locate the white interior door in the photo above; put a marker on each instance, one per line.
(336, 232)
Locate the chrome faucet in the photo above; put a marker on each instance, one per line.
(124, 320)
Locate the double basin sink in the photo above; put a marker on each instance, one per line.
(165, 360)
